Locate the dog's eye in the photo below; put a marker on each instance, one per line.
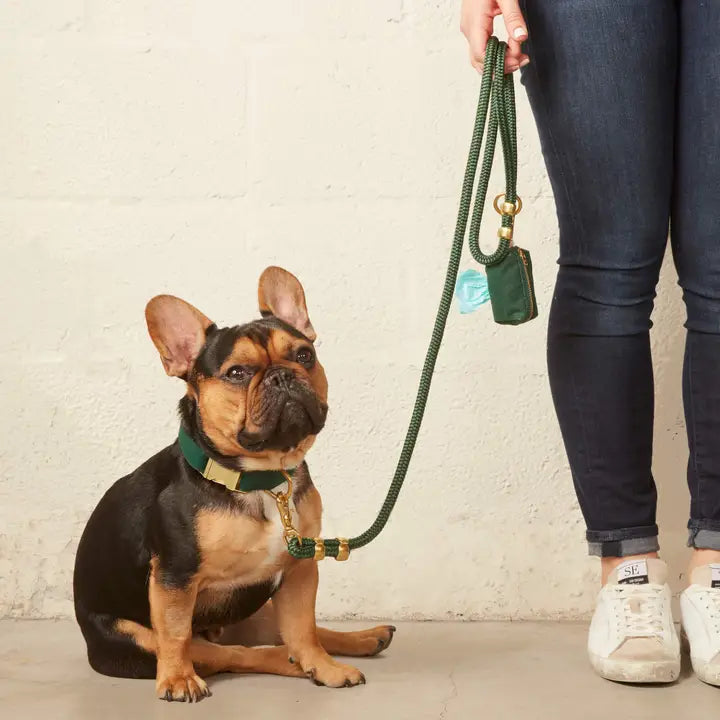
(239, 373)
(305, 356)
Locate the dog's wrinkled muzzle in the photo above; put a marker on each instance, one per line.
(286, 411)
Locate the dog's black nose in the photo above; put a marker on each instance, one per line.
(278, 376)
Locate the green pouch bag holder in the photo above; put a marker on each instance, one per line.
(511, 288)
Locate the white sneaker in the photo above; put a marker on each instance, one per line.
(700, 605)
(632, 635)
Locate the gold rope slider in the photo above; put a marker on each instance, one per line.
(343, 550)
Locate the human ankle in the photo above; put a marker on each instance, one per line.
(701, 557)
(608, 564)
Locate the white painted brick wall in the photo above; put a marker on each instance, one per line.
(151, 147)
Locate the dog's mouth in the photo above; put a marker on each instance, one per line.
(284, 416)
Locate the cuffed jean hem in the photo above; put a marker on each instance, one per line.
(623, 542)
(704, 534)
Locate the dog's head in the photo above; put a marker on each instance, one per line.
(255, 390)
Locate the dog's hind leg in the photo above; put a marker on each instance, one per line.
(358, 643)
(261, 629)
(111, 652)
(209, 658)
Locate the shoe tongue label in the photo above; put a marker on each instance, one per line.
(634, 572)
(715, 576)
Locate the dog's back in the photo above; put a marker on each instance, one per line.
(111, 568)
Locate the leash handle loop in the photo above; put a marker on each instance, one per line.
(496, 90)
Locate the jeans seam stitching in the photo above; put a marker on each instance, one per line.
(693, 425)
(583, 429)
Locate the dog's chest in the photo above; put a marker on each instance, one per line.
(240, 549)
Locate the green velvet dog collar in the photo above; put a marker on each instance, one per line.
(235, 480)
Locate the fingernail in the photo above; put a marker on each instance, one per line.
(519, 32)
(525, 62)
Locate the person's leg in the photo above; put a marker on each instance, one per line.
(601, 82)
(601, 85)
(696, 247)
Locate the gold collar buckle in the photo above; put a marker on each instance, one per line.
(224, 476)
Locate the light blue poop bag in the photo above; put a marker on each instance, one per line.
(471, 291)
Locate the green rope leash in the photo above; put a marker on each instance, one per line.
(499, 86)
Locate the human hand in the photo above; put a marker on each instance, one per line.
(477, 25)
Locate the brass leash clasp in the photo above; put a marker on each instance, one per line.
(282, 500)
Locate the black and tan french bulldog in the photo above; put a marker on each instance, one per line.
(169, 557)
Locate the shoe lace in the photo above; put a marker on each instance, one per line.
(640, 609)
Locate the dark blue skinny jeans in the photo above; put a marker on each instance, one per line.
(626, 96)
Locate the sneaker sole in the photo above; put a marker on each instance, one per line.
(706, 672)
(710, 676)
(641, 671)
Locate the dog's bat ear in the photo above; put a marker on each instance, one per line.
(281, 294)
(178, 331)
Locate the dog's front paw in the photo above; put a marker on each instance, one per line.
(186, 687)
(335, 674)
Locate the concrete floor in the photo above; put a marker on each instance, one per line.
(433, 670)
